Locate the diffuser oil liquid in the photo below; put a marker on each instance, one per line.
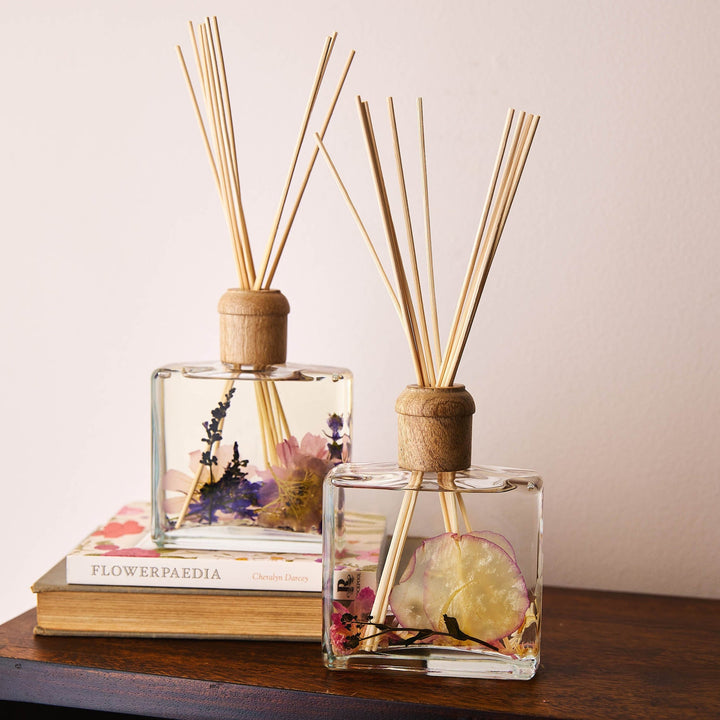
(456, 590)
(239, 455)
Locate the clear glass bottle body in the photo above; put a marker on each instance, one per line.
(239, 455)
(465, 596)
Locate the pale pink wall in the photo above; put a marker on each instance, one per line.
(594, 357)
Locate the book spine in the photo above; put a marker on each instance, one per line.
(219, 573)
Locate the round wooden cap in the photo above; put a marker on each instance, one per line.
(435, 428)
(253, 327)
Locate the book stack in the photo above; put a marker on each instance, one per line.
(118, 582)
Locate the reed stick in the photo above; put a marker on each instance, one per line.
(219, 139)
(428, 236)
(447, 521)
(391, 236)
(447, 499)
(422, 321)
(198, 115)
(446, 480)
(317, 81)
(514, 171)
(271, 420)
(361, 227)
(279, 410)
(209, 151)
(392, 560)
(311, 165)
(230, 125)
(230, 200)
(265, 440)
(464, 512)
(462, 299)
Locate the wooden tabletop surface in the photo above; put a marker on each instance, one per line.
(604, 655)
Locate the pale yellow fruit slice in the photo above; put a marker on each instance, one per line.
(406, 598)
(497, 538)
(465, 577)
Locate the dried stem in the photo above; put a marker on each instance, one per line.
(198, 475)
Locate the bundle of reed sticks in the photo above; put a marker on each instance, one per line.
(219, 138)
(434, 367)
(218, 134)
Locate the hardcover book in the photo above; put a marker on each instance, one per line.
(199, 613)
(122, 552)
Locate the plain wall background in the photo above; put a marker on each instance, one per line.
(594, 355)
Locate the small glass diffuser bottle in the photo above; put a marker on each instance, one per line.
(240, 447)
(457, 589)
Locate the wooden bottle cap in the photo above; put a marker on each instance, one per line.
(253, 327)
(435, 428)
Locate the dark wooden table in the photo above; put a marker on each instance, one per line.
(604, 655)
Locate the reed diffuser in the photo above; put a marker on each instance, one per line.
(241, 445)
(458, 589)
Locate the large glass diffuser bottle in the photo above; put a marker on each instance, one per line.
(457, 590)
(241, 446)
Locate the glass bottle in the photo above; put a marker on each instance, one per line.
(240, 446)
(456, 589)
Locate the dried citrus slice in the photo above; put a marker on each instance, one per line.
(465, 577)
(497, 538)
(407, 597)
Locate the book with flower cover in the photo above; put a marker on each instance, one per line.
(173, 612)
(122, 552)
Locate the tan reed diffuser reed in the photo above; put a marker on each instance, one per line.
(467, 538)
(240, 446)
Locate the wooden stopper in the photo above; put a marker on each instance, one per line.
(435, 428)
(253, 327)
